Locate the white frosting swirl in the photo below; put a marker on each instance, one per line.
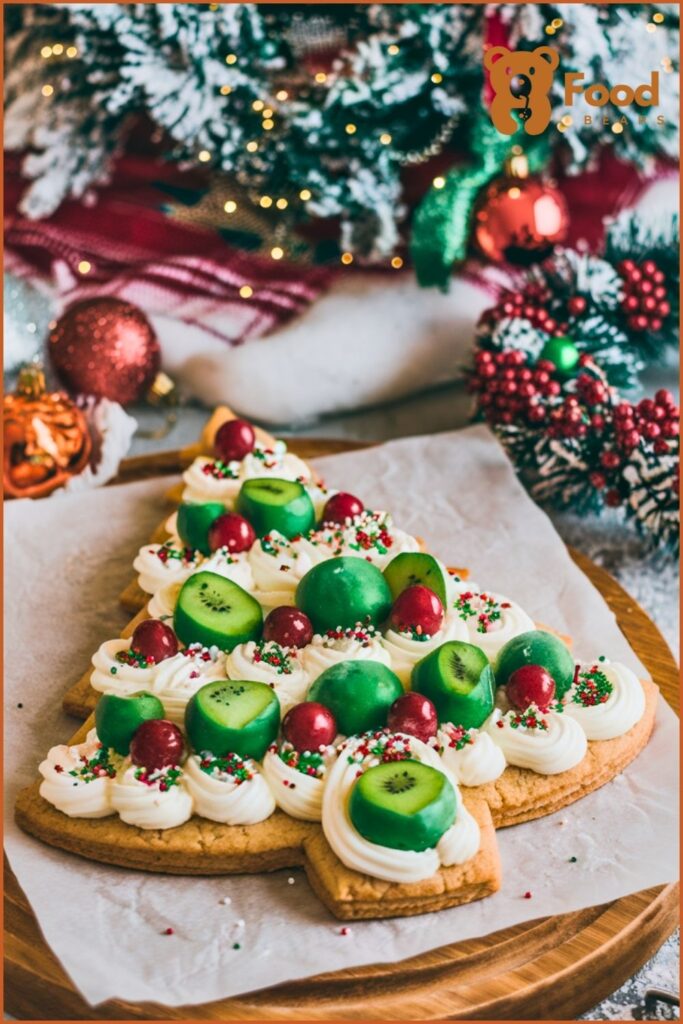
(84, 795)
(357, 644)
(254, 661)
(146, 804)
(478, 760)
(371, 535)
(458, 844)
(202, 485)
(154, 571)
(298, 794)
(277, 567)
(233, 567)
(490, 619)
(162, 603)
(113, 676)
(549, 750)
(406, 652)
(221, 796)
(624, 706)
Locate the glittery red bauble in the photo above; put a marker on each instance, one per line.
(107, 348)
(519, 220)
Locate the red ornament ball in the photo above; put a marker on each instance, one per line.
(156, 744)
(309, 726)
(154, 640)
(417, 608)
(530, 684)
(342, 506)
(234, 439)
(105, 347)
(232, 532)
(519, 220)
(415, 715)
(288, 627)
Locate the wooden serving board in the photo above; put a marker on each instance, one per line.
(552, 968)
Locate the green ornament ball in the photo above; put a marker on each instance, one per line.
(562, 353)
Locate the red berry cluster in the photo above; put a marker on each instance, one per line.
(530, 304)
(645, 296)
(509, 389)
(654, 420)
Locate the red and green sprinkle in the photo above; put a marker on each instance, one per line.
(591, 687)
(229, 767)
(529, 719)
(458, 736)
(134, 658)
(220, 470)
(484, 606)
(165, 778)
(168, 551)
(364, 635)
(268, 652)
(310, 762)
(91, 768)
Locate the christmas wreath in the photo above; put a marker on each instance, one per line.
(549, 359)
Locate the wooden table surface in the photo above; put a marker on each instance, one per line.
(552, 968)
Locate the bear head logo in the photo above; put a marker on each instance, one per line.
(532, 73)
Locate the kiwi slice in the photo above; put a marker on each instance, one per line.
(233, 717)
(405, 805)
(118, 718)
(536, 647)
(458, 679)
(273, 504)
(193, 524)
(414, 567)
(214, 610)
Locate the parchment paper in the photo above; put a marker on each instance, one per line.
(67, 560)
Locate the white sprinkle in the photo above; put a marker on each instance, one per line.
(225, 901)
(291, 881)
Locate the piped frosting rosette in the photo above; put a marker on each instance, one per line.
(77, 779)
(490, 620)
(211, 479)
(371, 535)
(120, 670)
(606, 699)
(297, 780)
(160, 564)
(456, 846)
(162, 603)
(356, 643)
(545, 741)
(470, 754)
(277, 566)
(151, 799)
(228, 789)
(406, 649)
(265, 661)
